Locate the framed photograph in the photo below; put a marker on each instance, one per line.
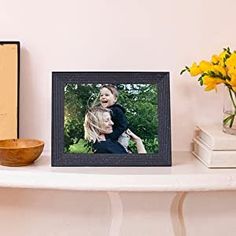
(111, 119)
(9, 89)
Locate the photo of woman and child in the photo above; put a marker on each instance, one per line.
(108, 126)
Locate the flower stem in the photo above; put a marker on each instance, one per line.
(230, 119)
(231, 97)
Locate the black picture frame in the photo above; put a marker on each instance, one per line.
(62, 159)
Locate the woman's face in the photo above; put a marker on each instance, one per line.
(106, 124)
(107, 98)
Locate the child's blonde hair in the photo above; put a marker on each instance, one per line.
(112, 88)
(92, 123)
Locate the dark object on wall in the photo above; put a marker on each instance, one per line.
(9, 89)
(145, 96)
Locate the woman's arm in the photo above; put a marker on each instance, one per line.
(138, 141)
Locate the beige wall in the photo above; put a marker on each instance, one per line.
(129, 35)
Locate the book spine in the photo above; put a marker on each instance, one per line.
(206, 139)
(214, 158)
(202, 153)
(216, 142)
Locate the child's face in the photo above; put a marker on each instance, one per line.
(107, 98)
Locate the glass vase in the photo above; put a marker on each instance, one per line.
(229, 110)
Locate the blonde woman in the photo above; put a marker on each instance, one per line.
(97, 125)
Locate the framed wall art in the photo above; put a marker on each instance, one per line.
(111, 119)
(9, 89)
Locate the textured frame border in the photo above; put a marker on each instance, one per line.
(162, 158)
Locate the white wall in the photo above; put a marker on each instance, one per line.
(139, 35)
(73, 213)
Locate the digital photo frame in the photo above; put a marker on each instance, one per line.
(111, 119)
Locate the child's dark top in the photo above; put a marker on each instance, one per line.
(108, 146)
(120, 122)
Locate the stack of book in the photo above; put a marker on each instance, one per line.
(215, 148)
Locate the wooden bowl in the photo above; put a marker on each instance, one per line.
(20, 152)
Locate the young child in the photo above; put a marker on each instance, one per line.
(108, 98)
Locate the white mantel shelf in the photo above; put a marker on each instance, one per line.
(186, 174)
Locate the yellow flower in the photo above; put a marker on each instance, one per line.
(205, 66)
(231, 72)
(194, 70)
(223, 56)
(232, 82)
(231, 61)
(219, 69)
(211, 82)
(215, 59)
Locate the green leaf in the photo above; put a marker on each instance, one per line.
(185, 69)
(182, 71)
(228, 119)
